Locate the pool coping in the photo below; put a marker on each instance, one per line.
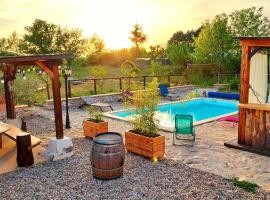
(168, 129)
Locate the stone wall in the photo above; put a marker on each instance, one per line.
(75, 102)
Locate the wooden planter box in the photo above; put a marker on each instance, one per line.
(146, 146)
(91, 129)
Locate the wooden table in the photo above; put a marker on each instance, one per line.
(3, 129)
(12, 132)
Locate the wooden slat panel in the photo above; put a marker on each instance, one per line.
(241, 126)
(267, 130)
(248, 125)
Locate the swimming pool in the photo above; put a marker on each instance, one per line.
(203, 110)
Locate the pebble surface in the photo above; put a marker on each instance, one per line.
(72, 179)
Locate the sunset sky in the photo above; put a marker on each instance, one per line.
(112, 19)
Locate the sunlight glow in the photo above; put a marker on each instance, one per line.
(113, 19)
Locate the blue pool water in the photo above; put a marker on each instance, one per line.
(200, 109)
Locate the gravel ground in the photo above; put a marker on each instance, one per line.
(72, 179)
(39, 125)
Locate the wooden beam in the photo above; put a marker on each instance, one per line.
(9, 75)
(57, 103)
(244, 92)
(254, 106)
(245, 75)
(47, 69)
(33, 58)
(255, 42)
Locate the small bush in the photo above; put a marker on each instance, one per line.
(233, 84)
(245, 185)
(95, 115)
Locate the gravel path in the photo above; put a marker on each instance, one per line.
(72, 179)
(39, 125)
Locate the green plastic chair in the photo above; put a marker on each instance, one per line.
(184, 128)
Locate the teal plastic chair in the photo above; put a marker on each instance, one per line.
(184, 128)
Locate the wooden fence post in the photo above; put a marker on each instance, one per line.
(144, 82)
(95, 86)
(120, 84)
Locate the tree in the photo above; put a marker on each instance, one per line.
(95, 45)
(10, 45)
(156, 52)
(179, 53)
(45, 38)
(180, 36)
(137, 35)
(250, 22)
(215, 44)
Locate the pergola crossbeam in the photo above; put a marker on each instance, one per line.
(45, 68)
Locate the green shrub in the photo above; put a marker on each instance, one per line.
(25, 90)
(245, 185)
(145, 103)
(233, 84)
(95, 115)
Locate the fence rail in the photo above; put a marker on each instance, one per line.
(118, 82)
(121, 80)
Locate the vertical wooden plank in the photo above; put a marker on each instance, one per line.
(248, 126)
(267, 130)
(8, 82)
(259, 129)
(57, 103)
(241, 125)
(245, 74)
(244, 91)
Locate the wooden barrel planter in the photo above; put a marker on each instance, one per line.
(108, 155)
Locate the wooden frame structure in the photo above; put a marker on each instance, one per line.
(254, 119)
(50, 64)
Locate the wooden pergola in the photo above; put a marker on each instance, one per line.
(50, 64)
(254, 119)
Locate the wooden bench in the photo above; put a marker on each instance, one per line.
(13, 131)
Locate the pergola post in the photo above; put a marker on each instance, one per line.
(244, 91)
(59, 147)
(8, 81)
(57, 103)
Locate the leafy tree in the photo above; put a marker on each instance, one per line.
(71, 41)
(10, 45)
(95, 45)
(215, 44)
(180, 36)
(179, 53)
(156, 52)
(137, 35)
(45, 38)
(250, 22)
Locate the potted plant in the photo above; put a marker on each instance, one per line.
(143, 139)
(94, 124)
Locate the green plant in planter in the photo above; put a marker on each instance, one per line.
(95, 115)
(145, 103)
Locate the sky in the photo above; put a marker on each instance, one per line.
(112, 20)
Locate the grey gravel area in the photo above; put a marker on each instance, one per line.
(39, 125)
(142, 179)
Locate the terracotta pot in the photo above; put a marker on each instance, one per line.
(91, 129)
(153, 148)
